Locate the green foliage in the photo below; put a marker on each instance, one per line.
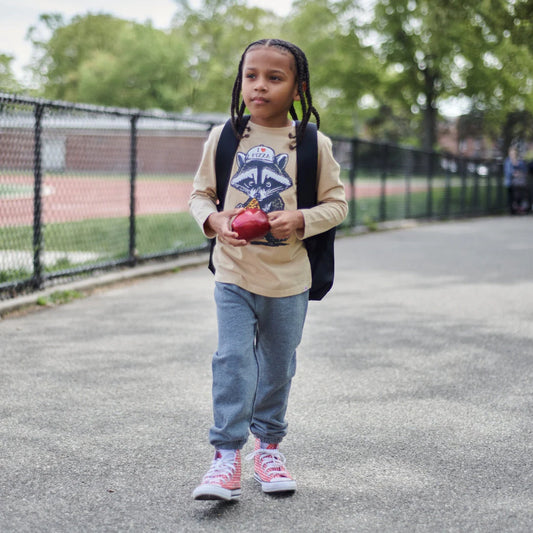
(519, 23)
(69, 47)
(100, 59)
(389, 125)
(144, 70)
(378, 70)
(59, 298)
(454, 48)
(518, 126)
(342, 69)
(14, 274)
(217, 32)
(8, 82)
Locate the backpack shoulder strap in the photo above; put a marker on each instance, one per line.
(225, 154)
(306, 163)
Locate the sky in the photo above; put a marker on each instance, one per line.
(16, 17)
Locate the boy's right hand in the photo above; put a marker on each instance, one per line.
(220, 223)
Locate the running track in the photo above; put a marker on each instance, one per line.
(67, 199)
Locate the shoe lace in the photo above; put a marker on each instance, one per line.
(221, 469)
(272, 461)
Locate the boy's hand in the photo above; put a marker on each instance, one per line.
(284, 223)
(220, 223)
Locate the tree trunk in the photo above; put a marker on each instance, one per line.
(429, 126)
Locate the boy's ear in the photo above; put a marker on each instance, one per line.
(296, 94)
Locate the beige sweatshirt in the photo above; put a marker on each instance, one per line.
(264, 169)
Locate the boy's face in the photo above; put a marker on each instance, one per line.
(269, 86)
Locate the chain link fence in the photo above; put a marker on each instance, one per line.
(84, 189)
(389, 182)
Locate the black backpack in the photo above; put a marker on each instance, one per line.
(320, 248)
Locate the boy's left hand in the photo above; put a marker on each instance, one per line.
(284, 223)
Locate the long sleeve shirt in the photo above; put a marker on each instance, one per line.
(264, 175)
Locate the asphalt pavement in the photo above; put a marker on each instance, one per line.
(411, 410)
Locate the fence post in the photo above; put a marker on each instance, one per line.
(383, 196)
(429, 198)
(133, 178)
(37, 199)
(501, 200)
(462, 202)
(352, 177)
(488, 198)
(408, 172)
(447, 187)
(476, 204)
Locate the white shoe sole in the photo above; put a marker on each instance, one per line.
(286, 485)
(214, 492)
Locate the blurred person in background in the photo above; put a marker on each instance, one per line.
(516, 182)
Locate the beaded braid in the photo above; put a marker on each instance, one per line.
(304, 88)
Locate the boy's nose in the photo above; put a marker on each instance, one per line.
(260, 84)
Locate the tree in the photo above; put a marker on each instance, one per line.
(388, 126)
(8, 82)
(504, 91)
(447, 49)
(417, 54)
(218, 32)
(343, 70)
(513, 19)
(385, 76)
(517, 129)
(60, 56)
(146, 70)
(103, 60)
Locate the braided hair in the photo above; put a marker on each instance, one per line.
(304, 90)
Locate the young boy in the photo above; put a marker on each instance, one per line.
(261, 286)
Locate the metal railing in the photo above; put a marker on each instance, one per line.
(391, 182)
(84, 189)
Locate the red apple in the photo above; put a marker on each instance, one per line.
(251, 224)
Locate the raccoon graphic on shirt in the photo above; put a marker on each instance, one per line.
(262, 177)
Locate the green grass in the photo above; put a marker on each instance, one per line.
(107, 238)
(110, 236)
(59, 298)
(454, 202)
(14, 190)
(14, 274)
(160, 233)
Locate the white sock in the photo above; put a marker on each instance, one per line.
(264, 445)
(224, 454)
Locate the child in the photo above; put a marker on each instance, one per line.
(262, 286)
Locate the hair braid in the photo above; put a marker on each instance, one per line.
(302, 79)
